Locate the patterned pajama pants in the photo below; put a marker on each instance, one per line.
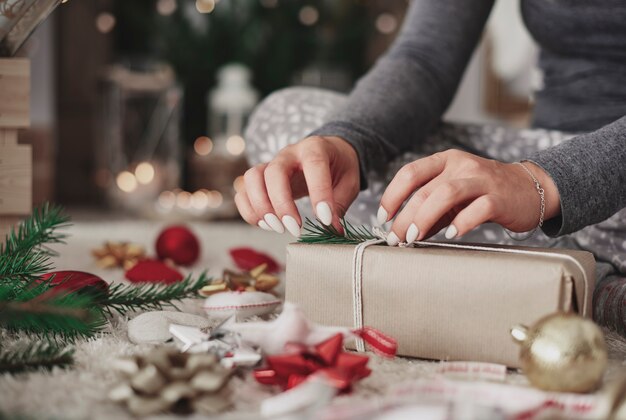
(290, 114)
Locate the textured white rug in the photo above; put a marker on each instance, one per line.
(81, 392)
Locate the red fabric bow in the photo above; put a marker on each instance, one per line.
(327, 358)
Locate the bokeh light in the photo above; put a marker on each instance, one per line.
(166, 7)
(199, 200)
(105, 22)
(203, 145)
(144, 172)
(183, 199)
(167, 200)
(308, 15)
(205, 6)
(215, 198)
(126, 181)
(386, 23)
(235, 145)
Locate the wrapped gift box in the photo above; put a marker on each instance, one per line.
(441, 303)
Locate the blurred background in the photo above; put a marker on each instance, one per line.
(139, 106)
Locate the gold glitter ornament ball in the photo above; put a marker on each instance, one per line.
(562, 352)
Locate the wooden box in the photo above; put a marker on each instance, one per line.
(15, 159)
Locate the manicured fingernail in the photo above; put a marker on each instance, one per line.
(322, 210)
(292, 226)
(392, 239)
(264, 225)
(274, 223)
(411, 233)
(451, 232)
(382, 215)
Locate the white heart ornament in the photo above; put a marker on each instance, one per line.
(243, 304)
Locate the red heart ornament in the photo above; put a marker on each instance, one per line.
(248, 258)
(153, 271)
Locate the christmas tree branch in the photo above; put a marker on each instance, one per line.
(124, 298)
(38, 229)
(24, 255)
(33, 356)
(47, 313)
(318, 233)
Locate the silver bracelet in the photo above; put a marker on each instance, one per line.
(542, 207)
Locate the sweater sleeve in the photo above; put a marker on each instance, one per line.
(590, 174)
(405, 94)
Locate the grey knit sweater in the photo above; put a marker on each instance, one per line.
(583, 58)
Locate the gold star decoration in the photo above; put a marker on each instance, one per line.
(118, 254)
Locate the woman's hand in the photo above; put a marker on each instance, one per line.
(461, 191)
(324, 168)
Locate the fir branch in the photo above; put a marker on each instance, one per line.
(42, 311)
(33, 356)
(124, 298)
(318, 233)
(24, 256)
(38, 229)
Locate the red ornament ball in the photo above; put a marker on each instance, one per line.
(178, 244)
(75, 281)
(153, 271)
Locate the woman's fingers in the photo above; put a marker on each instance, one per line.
(254, 181)
(409, 178)
(277, 181)
(316, 168)
(247, 212)
(482, 210)
(419, 217)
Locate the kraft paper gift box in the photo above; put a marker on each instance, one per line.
(437, 302)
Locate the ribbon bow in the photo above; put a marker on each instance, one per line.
(328, 358)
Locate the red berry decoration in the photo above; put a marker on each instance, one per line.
(74, 281)
(153, 271)
(178, 244)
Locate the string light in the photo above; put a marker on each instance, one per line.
(183, 199)
(105, 22)
(199, 200)
(235, 145)
(166, 7)
(167, 200)
(144, 172)
(203, 145)
(386, 23)
(205, 6)
(308, 15)
(215, 199)
(126, 181)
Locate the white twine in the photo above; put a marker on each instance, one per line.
(357, 284)
(357, 270)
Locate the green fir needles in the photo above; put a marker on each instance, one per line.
(318, 233)
(24, 255)
(124, 298)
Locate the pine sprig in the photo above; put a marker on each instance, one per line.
(38, 229)
(33, 356)
(46, 313)
(318, 233)
(124, 298)
(24, 254)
